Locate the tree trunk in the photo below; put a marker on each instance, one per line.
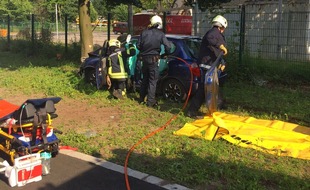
(86, 36)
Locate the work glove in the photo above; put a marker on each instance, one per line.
(109, 82)
(223, 48)
(221, 67)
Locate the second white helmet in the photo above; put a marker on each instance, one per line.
(219, 21)
(156, 20)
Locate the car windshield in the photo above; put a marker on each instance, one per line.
(192, 46)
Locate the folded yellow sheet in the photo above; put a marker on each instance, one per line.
(271, 136)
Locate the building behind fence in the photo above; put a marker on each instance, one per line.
(266, 29)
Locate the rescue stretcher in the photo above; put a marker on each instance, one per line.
(28, 129)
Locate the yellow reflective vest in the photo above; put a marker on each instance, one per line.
(116, 68)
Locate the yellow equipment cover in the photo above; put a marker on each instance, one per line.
(271, 136)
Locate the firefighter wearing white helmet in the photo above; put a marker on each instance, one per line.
(213, 43)
(219, 21)
(149, 45)
(117, 68)
(156, 22)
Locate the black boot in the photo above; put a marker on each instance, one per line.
(118, 94)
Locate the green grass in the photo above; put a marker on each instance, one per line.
(195, 163)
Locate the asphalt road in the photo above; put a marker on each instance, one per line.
(74, 36)
(71, 170)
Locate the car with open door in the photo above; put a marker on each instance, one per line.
(176, 77)
(175, 74)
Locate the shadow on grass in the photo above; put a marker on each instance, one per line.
(210, 172)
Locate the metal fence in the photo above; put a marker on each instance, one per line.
(262, 35)
(17, 26)
(63, 31)
(266, 35)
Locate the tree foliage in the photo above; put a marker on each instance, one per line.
(101, 7)
(18, 10)
(205, 4)
(113, 3)
(120, 13)
(46, 10)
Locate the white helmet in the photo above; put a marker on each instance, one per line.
(114, 42)
(219, 21)
(156, 20)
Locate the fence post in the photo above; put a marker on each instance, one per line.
(195, 16)
(279, 29)
(242, 31)
(164, 22)
(109, 25)
(8, 33)
(130, 19)
(66, 33)
(32, 29)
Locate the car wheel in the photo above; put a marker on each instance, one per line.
(90, 76)
(174, 90)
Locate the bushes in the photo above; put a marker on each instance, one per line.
(274, 72)
(41, 45)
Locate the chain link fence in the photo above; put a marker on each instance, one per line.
(17, 26)
(266, 35)
(261, 35)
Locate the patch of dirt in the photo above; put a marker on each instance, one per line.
(72, 114)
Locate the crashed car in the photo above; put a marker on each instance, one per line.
(175, 76)
(175, 69)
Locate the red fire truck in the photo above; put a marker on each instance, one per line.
(175, 24)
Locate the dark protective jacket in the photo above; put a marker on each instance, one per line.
(150, 41)
(117, 66)
(210, 45)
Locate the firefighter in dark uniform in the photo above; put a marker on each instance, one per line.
(118, 68)
(213, 42)
(149, 45)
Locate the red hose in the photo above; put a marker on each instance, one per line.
(159, 129)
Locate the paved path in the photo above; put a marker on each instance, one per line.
(98, 37)
(71, 170)
(74, 36)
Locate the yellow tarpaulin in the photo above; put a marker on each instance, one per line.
(271, 136)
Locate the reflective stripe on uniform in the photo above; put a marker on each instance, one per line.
(122, 73)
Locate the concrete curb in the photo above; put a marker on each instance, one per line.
(132, 173)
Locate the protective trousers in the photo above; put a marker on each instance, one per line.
(150, 71)
(118, 84)
(197, 101)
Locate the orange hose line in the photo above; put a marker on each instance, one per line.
(159, 129)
